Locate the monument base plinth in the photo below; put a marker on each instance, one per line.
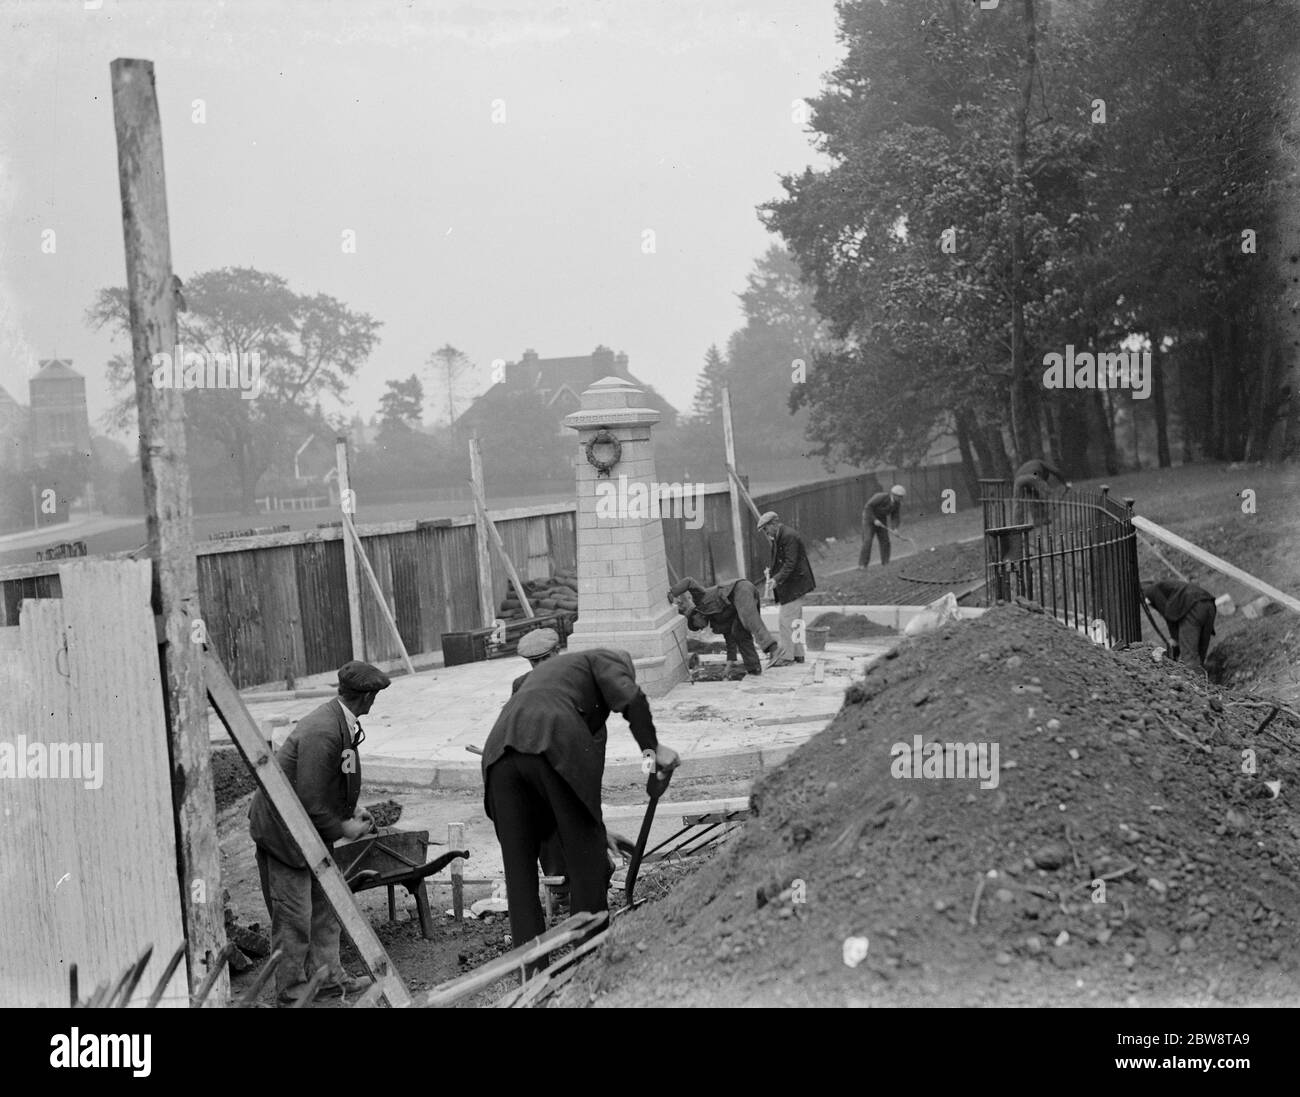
(658, 653)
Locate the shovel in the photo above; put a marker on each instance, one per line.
(1145, 609)
(655, 786)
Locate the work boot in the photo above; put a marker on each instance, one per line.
(291, 994)
(343, 983)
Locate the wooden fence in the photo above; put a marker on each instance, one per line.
(275, 606)
(87, 847)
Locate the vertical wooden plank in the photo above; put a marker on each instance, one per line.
(456, 840)
(321, 577)
(733, 495)
(88, 860)
(562, 532)
(408, 603)
(432, 590)
(347, 502)
(538, 565)
(486, 593)
(151, 294)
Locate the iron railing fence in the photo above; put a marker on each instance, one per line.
(1074, 553)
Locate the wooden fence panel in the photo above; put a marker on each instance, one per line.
(562, 536)
(380, 645)
(87, 861)
(323, 605)
(274, 573)
(408, 607)
(277, 604)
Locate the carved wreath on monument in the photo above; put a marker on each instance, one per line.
(604, 451)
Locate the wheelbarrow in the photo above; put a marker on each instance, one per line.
(394, 858)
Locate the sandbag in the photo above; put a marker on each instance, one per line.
(933, 616)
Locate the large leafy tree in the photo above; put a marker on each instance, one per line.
(980, 211)
(306, 346)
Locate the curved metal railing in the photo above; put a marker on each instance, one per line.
(1074, 553)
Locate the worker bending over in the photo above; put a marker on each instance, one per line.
(1189, 611)
(883, 511)
(731, 610)
(1032, 479)
(542, 768)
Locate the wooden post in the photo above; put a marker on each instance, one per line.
(275, 785)
(168, 514)
(350, 532)
(737, 532)
(456, 840)
(744, 494)
(348, 504)
(481, 516)
(487, 606)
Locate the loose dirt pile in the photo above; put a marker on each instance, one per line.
(230, 776)
(1111, 767)
(912, 580)
(850, 626)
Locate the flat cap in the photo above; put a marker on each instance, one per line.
(680, 587)
(538, 642)
(359, 677)
(768, 518)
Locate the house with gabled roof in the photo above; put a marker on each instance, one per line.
(559, 383)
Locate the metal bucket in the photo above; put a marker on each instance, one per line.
(816, 636)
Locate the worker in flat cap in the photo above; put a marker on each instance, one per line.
(1189, 612)
(883, 511)
(731, 610)
(1030, 489)
(536, 646)
(542, 768)
(791, 579)
(320, 760)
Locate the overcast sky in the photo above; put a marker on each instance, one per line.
(375, 116)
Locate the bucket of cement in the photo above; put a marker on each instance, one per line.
(816, 635)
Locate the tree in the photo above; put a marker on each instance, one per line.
(401, 407)
(708, 389)
(302, 346)
(980, 210)
(450, 369)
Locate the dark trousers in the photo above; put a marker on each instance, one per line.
(870, 531)
(739, 641)
(529, 803)
(303, 923)
(747, 633)
(1192, 634)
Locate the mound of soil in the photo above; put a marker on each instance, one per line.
(851, 626)
(912, 580)
(1111, 767)
(230, 776)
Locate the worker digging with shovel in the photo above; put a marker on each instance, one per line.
(1189, 612)
(883, 511)
(543, 764)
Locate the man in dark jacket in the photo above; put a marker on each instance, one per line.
(791, 580)
(731, 610)
(542, 769)
(1189, 612)
(1030, 488)
(320, 760)
(883, 511)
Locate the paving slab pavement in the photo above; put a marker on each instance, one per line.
(419, 729)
